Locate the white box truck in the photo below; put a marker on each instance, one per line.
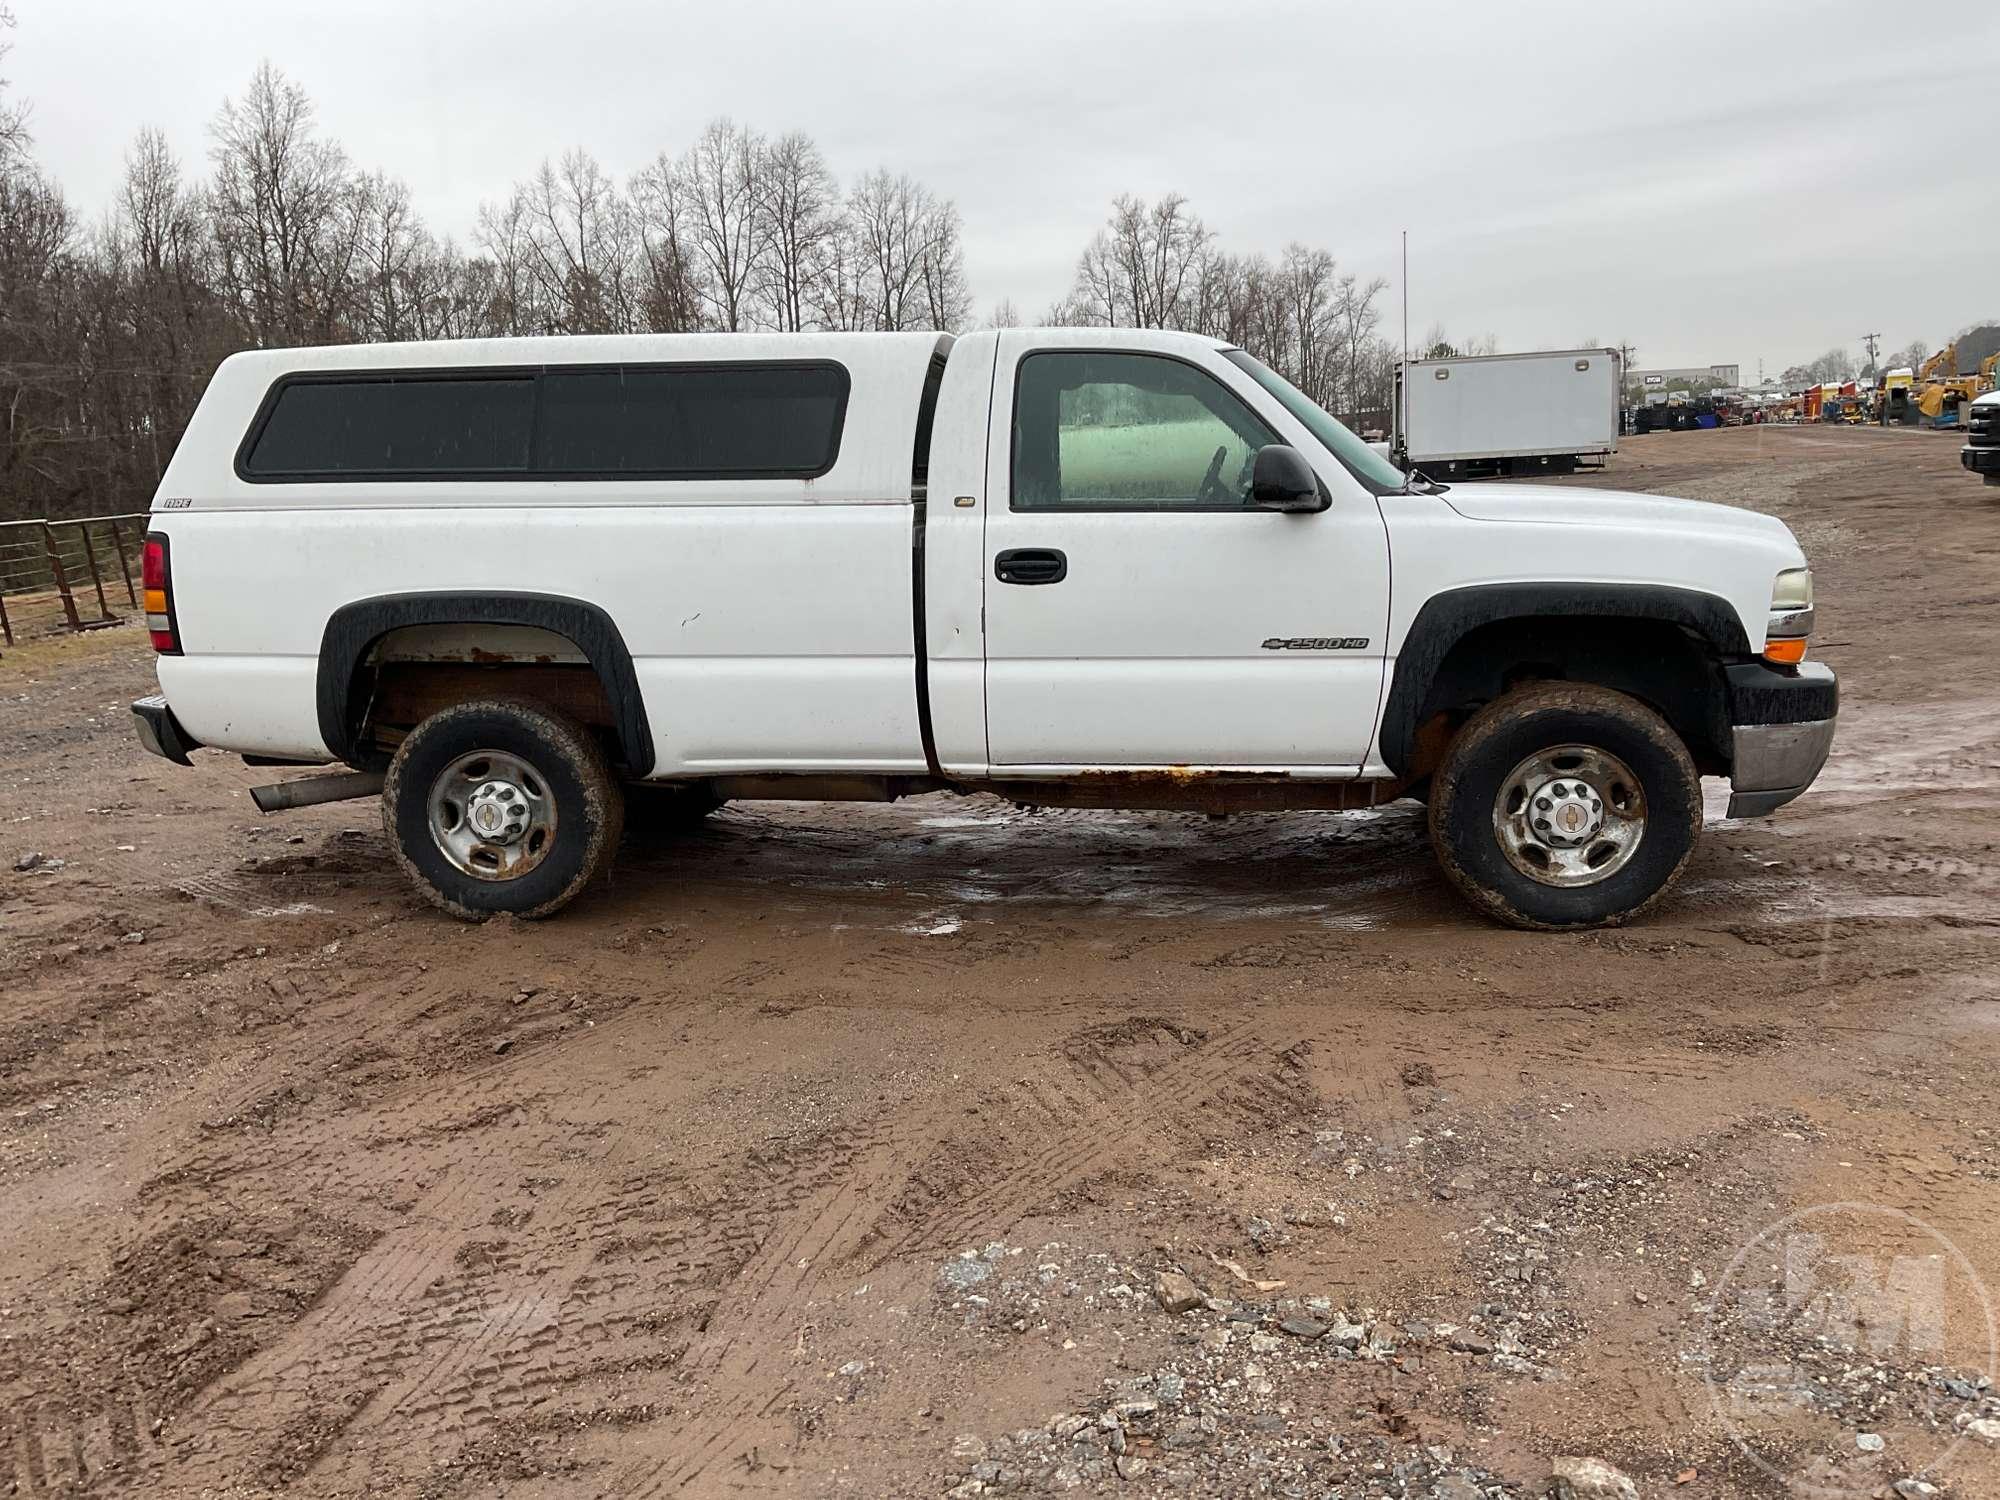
(1501, 415)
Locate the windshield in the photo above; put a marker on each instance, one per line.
(1370, 467)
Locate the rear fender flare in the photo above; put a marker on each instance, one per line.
(354, 628)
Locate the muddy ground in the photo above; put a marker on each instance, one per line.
(837, 1150)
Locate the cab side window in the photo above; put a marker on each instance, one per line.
(1115, 431)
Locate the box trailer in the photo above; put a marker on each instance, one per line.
(1495, 415)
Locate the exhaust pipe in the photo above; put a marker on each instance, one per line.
(310, 791)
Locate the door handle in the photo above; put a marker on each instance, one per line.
(1030, 565)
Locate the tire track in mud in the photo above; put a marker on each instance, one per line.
(738, 1396)
(442, 1355)
(49, 1448)
(425, 1342)
(436, 1354)
(68, 1441)
(1119, 1101)
(362, 1335)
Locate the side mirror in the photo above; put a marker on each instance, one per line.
(1281, 479)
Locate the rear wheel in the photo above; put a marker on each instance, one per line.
(1564, 805)
(501, 805)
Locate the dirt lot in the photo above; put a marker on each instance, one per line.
(836, 1151)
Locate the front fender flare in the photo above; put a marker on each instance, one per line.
(1448, 617)
(354, 628)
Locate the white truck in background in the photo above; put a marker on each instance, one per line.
(511, 584)
(1981, 453)
(1508, 415)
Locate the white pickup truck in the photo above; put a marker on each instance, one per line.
(508, 582)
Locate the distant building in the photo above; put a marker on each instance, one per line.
(1702, 376)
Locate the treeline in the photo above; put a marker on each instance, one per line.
(1156, 265)
(111, 326)
(1973, 343)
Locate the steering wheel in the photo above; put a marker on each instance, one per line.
(1212, 490)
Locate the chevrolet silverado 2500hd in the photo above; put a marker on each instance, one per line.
(509, 582)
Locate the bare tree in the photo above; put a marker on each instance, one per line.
(1307, 286)
(797, 203)
(503, 234)
(841, 288)
(670, 292)
(1139, 268)
(41, 369)
(1158, 265)
(161, 262)
(911, 256)
(1363, 370)
(947, 295)
(393, 244)
(14, 137)
(284, 213)
(578, 236)
(720, 175)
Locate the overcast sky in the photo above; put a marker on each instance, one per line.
(1711, 184)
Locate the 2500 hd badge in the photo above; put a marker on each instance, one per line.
(1317, 643)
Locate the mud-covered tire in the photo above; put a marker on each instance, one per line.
(588, 806)
(1499, 739)
(655, 810)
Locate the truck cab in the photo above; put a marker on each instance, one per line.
(513, 585)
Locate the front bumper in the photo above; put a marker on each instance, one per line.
(1781, 728)
(1984, 462)
(160, 732)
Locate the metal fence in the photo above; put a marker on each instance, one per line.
(69, 575)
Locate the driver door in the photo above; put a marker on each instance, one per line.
(1139, 612)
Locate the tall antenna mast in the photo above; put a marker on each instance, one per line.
(1406, 294)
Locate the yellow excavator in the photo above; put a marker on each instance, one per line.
(1941, 390)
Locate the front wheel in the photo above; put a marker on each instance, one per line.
(501, 805)
(1565, 805)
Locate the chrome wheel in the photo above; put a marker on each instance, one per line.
(491, 815)
(1571, 815)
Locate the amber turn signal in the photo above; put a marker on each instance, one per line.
(1786, 653)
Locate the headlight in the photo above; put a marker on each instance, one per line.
(1793, 589)
(1791, 619)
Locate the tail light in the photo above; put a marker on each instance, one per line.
(157, 577)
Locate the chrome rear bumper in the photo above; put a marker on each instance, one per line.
(160, 732)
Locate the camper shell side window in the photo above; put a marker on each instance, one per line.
(753, 420)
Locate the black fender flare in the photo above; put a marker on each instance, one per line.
(354, 628)
(1448, 617)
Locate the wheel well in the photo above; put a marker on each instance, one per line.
(410, 673)
(1660, 663)
(387, 663)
